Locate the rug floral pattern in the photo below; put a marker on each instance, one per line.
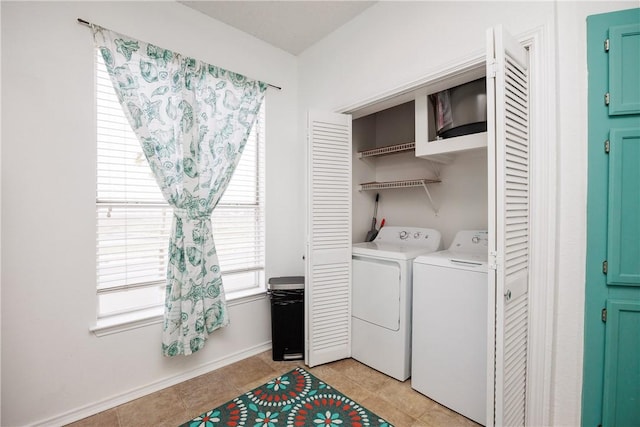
(296, 398)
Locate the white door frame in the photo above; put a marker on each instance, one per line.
(542, 270)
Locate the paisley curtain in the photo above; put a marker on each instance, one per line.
(192, 120)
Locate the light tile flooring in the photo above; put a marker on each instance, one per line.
(395, 401)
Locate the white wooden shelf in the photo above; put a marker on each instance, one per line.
(444, 150)
(390, 149)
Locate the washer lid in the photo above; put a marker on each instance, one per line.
(388, 250)
(455, 259)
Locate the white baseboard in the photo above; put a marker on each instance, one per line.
(112, 402)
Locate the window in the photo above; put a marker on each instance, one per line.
(134, 221)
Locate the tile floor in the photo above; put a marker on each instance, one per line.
(395, 401)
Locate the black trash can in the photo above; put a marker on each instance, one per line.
(287, 317)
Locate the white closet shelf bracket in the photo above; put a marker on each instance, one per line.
(404, 184)
(435, 207)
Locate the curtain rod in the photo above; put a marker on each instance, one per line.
(88, 24)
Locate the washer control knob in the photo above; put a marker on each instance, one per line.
(404, 235)
(416, 235)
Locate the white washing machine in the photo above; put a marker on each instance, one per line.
(381, 297)
(450, 291)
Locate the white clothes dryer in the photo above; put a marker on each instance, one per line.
(381, 297)
(449, 350)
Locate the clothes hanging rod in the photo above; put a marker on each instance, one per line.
(88, 24)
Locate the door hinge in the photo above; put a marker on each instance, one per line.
(493, 260)
(492, 69)
(607, 146)
(606, 45)
(603, 315)
(607, 98)
(605, 267)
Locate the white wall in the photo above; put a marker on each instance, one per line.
(461, 196)
(51, 363)
(394, 43)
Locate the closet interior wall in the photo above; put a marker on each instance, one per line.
(461, 196)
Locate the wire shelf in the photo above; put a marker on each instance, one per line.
(407, 183)
(390, 149)
(397, 184)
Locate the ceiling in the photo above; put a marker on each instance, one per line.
(290, 25)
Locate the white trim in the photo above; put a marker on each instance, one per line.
(154, 316)
(542, 269)
(465, 69)
(112, 402)
(492, 277)
(126, 322)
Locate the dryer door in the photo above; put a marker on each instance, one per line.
(376, 292)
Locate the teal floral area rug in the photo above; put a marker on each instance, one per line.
(296, 398)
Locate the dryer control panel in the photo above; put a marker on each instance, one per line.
(407, 235)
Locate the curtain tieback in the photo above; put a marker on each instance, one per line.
(190, 214)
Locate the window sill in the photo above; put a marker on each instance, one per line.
(152, 316)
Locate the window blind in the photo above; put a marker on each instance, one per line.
(133, 221)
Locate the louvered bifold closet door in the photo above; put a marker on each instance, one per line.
(508, 106)
(328, 269)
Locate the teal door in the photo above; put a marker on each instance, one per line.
(611, 386)
(621, 405)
